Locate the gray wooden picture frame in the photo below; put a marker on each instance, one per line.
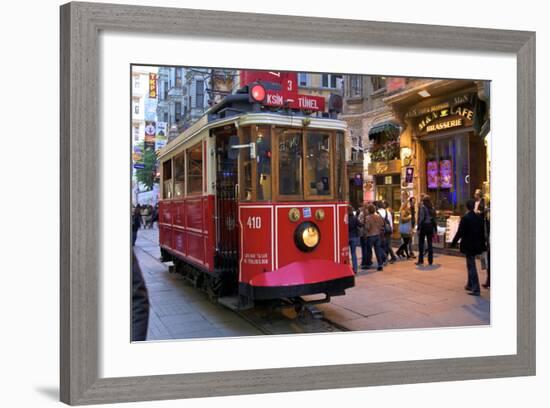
(81, 24)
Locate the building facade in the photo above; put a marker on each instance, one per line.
(420, 136)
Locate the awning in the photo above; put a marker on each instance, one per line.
(390, 128)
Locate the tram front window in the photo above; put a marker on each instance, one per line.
(290, 163)
(318, 163)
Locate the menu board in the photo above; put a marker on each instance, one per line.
(446, 173)
(451, 227)
(433, 174)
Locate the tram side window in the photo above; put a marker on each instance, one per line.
(290, 163)
(194, 169)
(318, 164)
(245, 183)
(179, 176)
(340, 163)
(167, 179)
(263, 159)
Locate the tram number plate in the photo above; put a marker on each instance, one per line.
(254, 222)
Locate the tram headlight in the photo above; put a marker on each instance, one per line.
(307, 236)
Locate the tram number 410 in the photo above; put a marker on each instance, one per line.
(254, 222)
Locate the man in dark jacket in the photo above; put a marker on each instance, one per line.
(472, 242)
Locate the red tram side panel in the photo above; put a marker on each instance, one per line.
(186, 229)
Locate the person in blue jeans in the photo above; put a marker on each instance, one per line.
(372, 229)
(354, 236)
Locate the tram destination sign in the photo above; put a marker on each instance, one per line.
(299, 102)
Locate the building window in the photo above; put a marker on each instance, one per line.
(302, 79)
(136, 82)
(199, 93)
(330, 80)
(178, 111)
(136, 133)
(355, 85)
(136, 108)
(179, 76)
(165, 90)
(166, 116)
(378, 82)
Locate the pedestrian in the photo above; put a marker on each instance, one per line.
(373, 225)
(427, 226)
(472, 242)
(405, 229)
(155, 215)
(366, 253)
(354, 234)
(149, 216)
(144, 211)
(386, 215)
(487, 283)
(140, 303)
(479, 206)
(136, 223)
(412, 209)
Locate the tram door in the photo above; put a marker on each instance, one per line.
(227, 233)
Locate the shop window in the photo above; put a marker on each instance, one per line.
(194, 169)
(167, 179)
(179, 175)
(318, 164)
(290, 153)
(263, 160)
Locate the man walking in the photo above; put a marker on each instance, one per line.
(472, 242)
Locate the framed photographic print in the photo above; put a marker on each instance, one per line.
(214, 165)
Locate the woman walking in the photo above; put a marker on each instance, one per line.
(405, 229)
(426, 228)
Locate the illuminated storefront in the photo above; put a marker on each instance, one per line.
(444, 151)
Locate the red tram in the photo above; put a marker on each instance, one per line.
(253, 202)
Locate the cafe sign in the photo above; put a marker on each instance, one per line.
(445, 119)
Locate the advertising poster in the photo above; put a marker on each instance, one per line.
(152, 85)
(137, 157)
(433, 174)
(407, 174)
(150, 133)
(162, 135)
(446, 173)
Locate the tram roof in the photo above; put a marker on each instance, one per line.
(261, 118)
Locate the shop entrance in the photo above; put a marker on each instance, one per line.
(455, 168)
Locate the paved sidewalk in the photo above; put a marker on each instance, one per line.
(404, 295)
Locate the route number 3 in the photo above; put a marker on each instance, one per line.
(254, 222)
